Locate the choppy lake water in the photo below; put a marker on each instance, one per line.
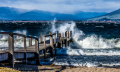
(94, 44)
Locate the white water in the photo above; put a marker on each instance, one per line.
(84, 41)
(87, 45)
(84, 46)
(53, 29)
(87, 42)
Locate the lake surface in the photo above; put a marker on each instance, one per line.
(94, 44)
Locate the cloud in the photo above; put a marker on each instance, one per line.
(64, 6)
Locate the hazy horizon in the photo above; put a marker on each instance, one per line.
(64, 6)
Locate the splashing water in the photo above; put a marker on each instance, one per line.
(91, 49)
(53, 26)
(85, 41)
(88, 50)
(88, 44)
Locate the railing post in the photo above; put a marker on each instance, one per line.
(62, 39)
(66, 39)
(44, 47)
(37, 51)
(51, 40)
(11, 50)
(55, 43)
(66, 35)
(71, 36)
(57, 34)
(59, 43)
(55, 39)
(25, 50)
(70, 33)
(30, 41)
(41, 40)
(51, 44)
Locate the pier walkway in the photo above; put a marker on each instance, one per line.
(33, 51)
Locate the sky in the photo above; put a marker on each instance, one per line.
(64, 6)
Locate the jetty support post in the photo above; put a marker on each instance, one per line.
(66, 39)
(44, 48)
(70, 33)
(51, 44)
(62, 39)
(25, 50)
(37, 51)
(57, 34)
(59, 43)
(55, 43)
(70, 36)
(11, 49)
(30, 41)
(41, 40)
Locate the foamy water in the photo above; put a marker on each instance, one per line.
(88, 50)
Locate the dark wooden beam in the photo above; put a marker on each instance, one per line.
(11, 50)
(37, 51)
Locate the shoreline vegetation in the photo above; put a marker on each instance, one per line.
(54, 68)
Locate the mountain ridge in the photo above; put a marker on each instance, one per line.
(114, 15)
(8, 13)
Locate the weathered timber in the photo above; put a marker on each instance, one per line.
(37, 51)
(57, 34)
(55, 43)
(32, 51)
(70, 33)
(32, 48)
(66, 39)
(59, 42)
(25, 50)
(41, 40)
(19, 34)
(44, 48)
(11, 50)
(62, 39)
(70, 36)
(30, 41)
(51, 44)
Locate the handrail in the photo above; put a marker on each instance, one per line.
(47, 35)
(52, 45)
(54, 34)
(18, 34)
(5, 33)
(31, 37)
(50, 35)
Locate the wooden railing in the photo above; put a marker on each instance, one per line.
(11, 44)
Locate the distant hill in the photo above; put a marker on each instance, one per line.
(115, 15)
(8, 13)
(44, 15)
(88, 14)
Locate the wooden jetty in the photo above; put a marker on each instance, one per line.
(33, 51)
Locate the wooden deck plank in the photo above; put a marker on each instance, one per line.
(32, 48)
(3, 52)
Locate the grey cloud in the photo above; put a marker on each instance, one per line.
(64, 6)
